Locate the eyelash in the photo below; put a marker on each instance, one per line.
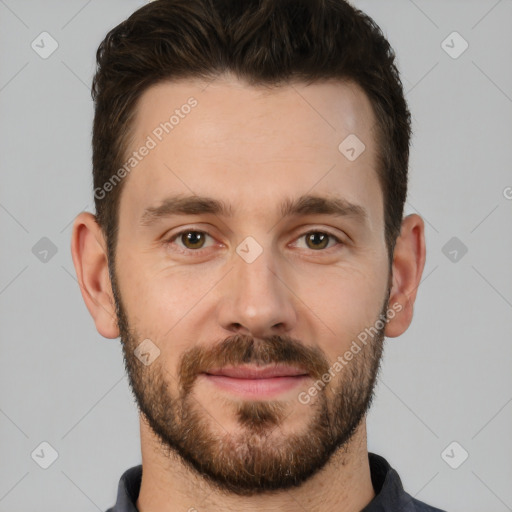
(199, 252)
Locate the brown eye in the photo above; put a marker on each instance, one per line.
(317, 240)
(188, 241)
(192, 239)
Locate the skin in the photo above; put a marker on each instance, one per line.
(251, 147)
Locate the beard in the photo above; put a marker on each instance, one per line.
(259, 456)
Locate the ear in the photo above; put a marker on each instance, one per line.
(88, 249)
(408, 263)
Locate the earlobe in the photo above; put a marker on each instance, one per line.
(88, 250)
(408, 263)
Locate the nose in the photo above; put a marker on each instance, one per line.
(255, 299)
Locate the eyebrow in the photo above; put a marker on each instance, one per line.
(301, 206)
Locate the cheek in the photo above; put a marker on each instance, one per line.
(150, 302)
(343, 304)
(161, 304)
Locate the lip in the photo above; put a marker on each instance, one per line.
(256, 383)
(253, 372)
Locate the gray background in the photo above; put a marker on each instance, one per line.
(446, 379)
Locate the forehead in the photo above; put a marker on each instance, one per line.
(251, 146)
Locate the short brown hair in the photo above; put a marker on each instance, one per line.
(264, 42)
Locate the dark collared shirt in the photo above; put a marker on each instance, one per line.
(390, 494)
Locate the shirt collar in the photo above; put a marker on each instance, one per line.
(389, 492)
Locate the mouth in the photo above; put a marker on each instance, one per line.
(255, 382)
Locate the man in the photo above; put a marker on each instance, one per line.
(249, 248)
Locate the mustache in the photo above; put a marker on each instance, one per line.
(243, 349)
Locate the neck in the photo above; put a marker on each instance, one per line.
(168, 485)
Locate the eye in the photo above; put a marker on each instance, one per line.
(194, 240)
(318, 240)
(191, 239)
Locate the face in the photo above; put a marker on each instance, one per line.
(248, 241)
